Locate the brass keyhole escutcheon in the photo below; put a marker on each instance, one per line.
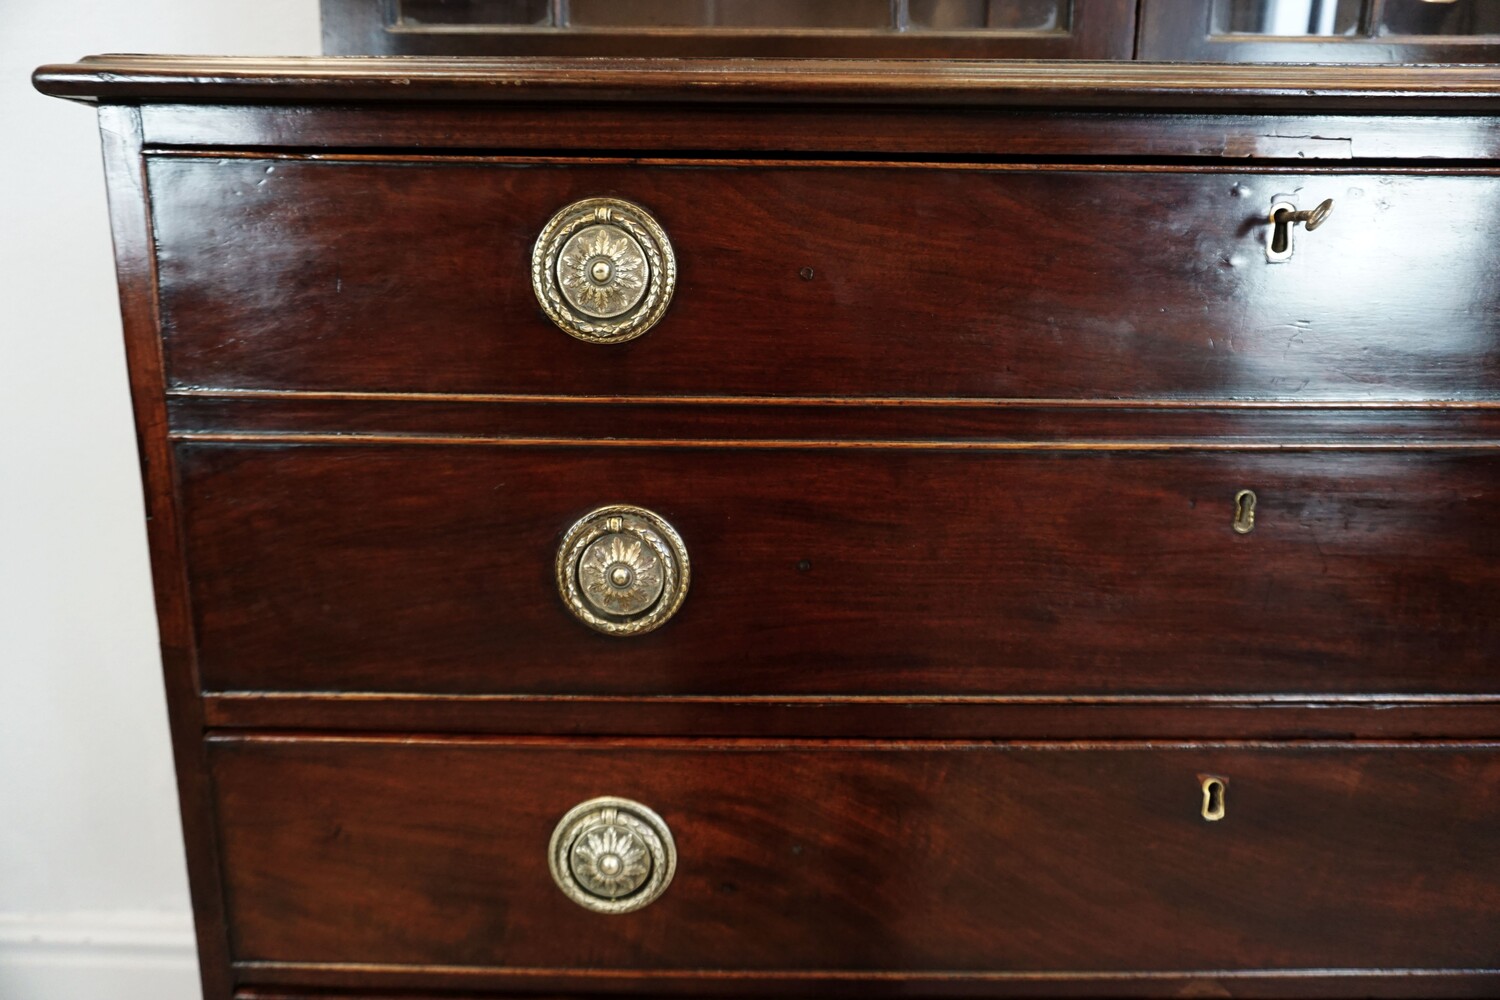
(1244, 512)
(1284, 217)
(1214, 790)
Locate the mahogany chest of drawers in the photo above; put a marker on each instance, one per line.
(712, 528)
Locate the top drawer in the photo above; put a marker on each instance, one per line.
(808, 280)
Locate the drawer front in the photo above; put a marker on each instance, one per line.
(431, 857)
(818, 280)
(431, 568)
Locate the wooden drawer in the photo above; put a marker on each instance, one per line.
(423, 862)
(429, 568)
(809, 280)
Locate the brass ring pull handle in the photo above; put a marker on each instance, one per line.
(622, 570)
(1285, 216)
(612, 855)
(603, 270)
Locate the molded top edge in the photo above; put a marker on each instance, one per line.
(997, 83)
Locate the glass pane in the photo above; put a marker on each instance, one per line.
(641, 13)
(996, 15)
(475, 12)
(1426, 17)
(1318, 18)
(730, 13)
(925, 15)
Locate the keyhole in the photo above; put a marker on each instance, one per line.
(1283, 218)
(1213, 797)
(1244, 512)
(1281, 237)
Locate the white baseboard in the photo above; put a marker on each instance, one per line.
(98, 956)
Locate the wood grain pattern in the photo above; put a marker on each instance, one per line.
(875, 131)
(1391, 983)
(130, 222)
(972, 478)
(1023, 83)
(429, 569)
(198, 413)
(1190, 717)
(941, 282)
(428, 857)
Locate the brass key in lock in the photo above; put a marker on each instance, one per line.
(1284, 216)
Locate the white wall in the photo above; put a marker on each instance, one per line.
(93, 896)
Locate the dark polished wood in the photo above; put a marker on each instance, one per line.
(876, 132)
(820, 280)
(136, 275)
(252, 415)
(1217, 983)
(872, 571)
(1265, 717)
(862, 82)
(426, 860)
(966, 367)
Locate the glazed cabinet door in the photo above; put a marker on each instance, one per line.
(974, 29)
(1373, 31)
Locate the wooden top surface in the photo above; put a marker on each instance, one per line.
(1073, 84)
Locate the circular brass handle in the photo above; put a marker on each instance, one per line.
(622, 570)
(603, 270)
(612, 855)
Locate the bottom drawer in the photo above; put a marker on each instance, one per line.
(423, 862)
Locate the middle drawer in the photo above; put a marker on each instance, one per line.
(434, 568)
